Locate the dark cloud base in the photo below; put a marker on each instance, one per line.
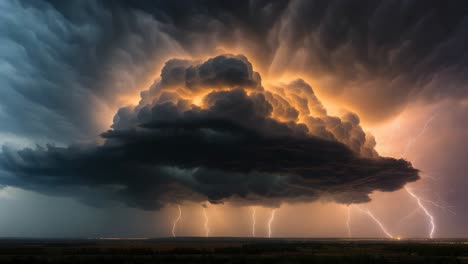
(236, 143)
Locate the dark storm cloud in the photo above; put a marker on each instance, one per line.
(62, 66)
(376, 54)
(64, 61)
(222, 71)
(168, 149)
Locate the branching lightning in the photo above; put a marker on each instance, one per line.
(408, 190)
(176, 221)
(428, 214)
(207, 228)
(253, 221)
(445, 208)
(270, 221)
(379, 223)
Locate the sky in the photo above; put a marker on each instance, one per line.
(233, 118)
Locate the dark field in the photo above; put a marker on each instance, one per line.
(231, 250)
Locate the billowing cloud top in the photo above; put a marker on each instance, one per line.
(209, 130)
(79, 59)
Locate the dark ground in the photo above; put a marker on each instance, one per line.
(231, 250)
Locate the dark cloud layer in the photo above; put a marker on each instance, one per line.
(78, 58)
(390, 51)
(64, 65)
(229, 145)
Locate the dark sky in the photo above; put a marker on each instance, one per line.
(114, 114)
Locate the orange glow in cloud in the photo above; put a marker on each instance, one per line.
(334, 108)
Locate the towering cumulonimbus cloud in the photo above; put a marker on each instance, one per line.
(209, 130)
(79, 58)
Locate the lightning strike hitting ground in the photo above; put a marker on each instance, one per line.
(174, 225)
(207, 228)
(417, 198)
(428, 214)
(372, 216)
(253, 221)
(348, 220)
(270, 221)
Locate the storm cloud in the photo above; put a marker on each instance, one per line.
(370, 54)
(286, 121)
(80, 60)
(209, 130)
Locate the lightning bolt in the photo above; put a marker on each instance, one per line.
(207, 228)
(270, 221)
(413, 139)
(409, 215)
(376, 220)
(428, 214)
(445, 208)
(174, 225)
(348, 220)
(408, 190)
(253, 221)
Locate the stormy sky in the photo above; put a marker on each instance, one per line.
(115, 114)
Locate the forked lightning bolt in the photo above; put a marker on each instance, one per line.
(176, 221)
(417, 198)
(428, 214)
(207, 228)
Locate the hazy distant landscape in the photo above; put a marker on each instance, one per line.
(232, 250)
